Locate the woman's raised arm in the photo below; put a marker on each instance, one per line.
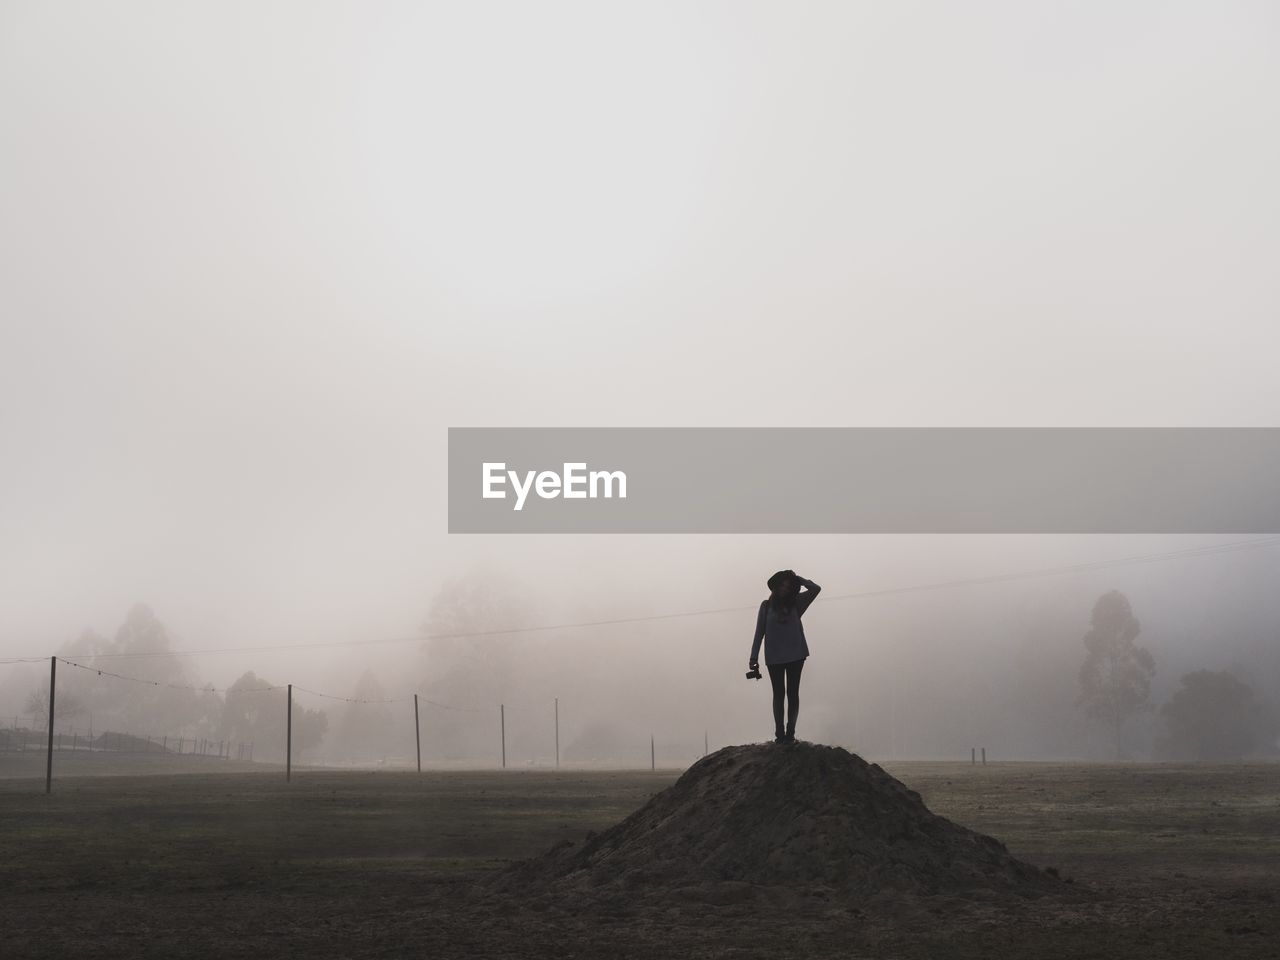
(811, 591)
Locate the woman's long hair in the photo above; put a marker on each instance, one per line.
(784, 587)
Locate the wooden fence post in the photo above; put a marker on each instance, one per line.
(48, 769)
(288, 737)
(417, 732)
(502, 720)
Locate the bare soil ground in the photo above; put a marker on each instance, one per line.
(1166, 861)
(803, 825)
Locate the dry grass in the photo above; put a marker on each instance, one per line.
(1179, 862)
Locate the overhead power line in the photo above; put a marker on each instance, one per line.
(1085, 567)
(330, 696)
(198, 688)
(228, 691)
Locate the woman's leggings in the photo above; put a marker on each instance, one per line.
(785, 678)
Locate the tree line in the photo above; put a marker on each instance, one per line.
(1213, 715)
(165, 698)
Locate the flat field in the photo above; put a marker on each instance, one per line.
(1166, 861)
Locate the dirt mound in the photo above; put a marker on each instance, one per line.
(800, 816)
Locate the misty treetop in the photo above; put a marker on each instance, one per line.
(168, 700)
(254, 712)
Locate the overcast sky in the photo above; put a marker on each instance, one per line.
(255, 258)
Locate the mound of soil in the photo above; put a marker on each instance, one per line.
(799, 816)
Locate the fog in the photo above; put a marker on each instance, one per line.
(255, 260)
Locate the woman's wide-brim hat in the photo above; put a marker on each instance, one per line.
(776, 580)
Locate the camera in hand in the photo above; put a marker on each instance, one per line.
(753, 674)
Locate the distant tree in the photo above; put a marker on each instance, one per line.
(467, 618)
(165, 701)
(1215, 716)
(470, 660)
(1115, 679)
(366, 727)
(67, 705)
(255, 711)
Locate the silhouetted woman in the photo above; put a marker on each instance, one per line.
(785, 649)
